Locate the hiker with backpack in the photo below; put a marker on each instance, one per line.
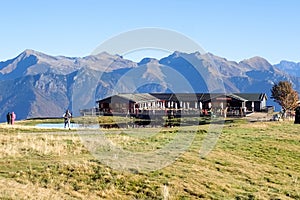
(67, 118)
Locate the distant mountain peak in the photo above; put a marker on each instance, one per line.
(30, 51)
(177, 54)
(286, 62)
(26, 53)
(145, 61)
(257, 63)
(256, 59)
(101, 54)
(39, 55)
(289, 67)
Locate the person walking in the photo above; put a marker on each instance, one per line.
(67, 118)
(8, 118)
(13, 118)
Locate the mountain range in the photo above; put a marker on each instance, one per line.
(34, 84)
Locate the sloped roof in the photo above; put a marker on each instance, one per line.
(208, 97)
(140, 97)
(177, 96)
(238, 97)
(252, 96)
(115, 98)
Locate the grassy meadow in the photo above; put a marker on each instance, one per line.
(258, 160)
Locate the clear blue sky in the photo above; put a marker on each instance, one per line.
(235, 29)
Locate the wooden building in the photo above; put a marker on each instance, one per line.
(236, 104)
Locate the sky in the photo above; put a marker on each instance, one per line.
(234, 29)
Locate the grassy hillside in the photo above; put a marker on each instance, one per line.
(250, 161)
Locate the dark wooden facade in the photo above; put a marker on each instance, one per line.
(182, 104)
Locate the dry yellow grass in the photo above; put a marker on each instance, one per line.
(250, 161)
